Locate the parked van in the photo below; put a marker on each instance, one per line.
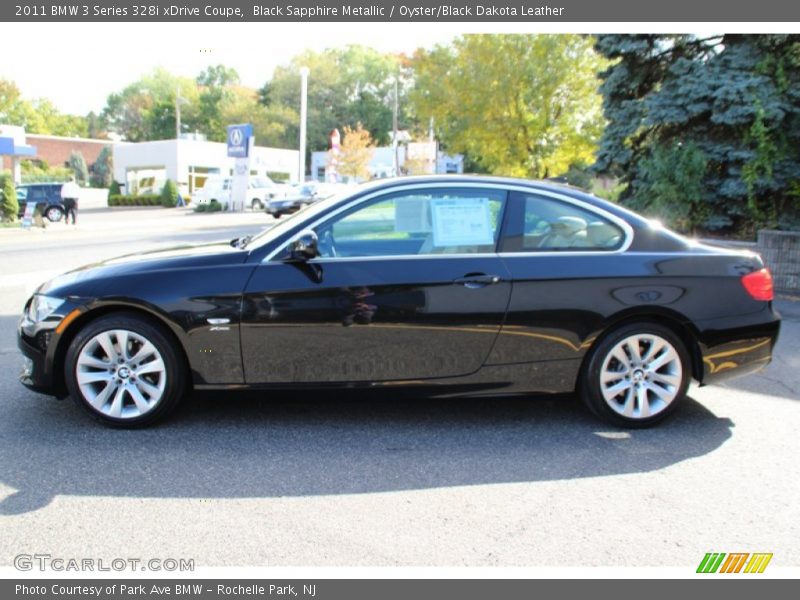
(261, 190)
(216, 188)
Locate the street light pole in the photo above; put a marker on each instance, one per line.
(178, 113)
(304, 71)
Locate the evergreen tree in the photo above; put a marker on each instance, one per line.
(101, 169)
(734, 99)
(77, 164)
(9, 207)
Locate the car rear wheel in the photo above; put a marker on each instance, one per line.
(125, 371)
(256, 204)
(636, 376)
(54, 214)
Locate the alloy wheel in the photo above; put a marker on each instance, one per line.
(121, 374)
(641, 376)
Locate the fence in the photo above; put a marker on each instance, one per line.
(781, 253)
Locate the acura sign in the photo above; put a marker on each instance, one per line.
(239, 140)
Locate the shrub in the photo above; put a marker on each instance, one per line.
(9, 207)
(169, 194)
(144, 200)
(200, 208)
(214, 206)
(114, 189)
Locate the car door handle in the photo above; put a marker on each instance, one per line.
(477, 280)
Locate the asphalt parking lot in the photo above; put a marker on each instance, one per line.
(358, 479)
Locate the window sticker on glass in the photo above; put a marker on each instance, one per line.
(462, 222)
(411, 215)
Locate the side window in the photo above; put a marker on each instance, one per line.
(550, 225)
(38, 194)
(457, 221)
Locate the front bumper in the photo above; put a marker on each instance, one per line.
(41, 343)
(283, 207)
(36, 374)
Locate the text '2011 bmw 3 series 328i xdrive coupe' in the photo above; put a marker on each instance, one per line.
(449, 285)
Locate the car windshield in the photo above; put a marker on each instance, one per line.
(261, 182)
(288, 223)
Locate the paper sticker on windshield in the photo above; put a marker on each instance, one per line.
(411, 215)
(462, 222)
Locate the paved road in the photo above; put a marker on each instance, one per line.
(353, 479)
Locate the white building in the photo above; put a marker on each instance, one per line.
(382, 163)
(144, 167)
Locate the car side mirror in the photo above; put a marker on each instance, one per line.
(305, 246)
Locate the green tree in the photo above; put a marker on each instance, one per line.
(77, 164)
(37, 116)
(522, 105)
(734, 97)
(270, 123)
(9, 207)
(101, 170)
(345, 86)
(216, 90)
(673, 185)
(145, 109)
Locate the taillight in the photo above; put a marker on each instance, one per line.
(759, 284)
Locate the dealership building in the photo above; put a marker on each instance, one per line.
(427, 159)
(142, 168)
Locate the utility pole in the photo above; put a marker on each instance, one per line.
(304, 71)
(178, 102)
(396, 157)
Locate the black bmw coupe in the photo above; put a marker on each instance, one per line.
(451, 285)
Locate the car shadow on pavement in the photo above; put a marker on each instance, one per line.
(247, 445)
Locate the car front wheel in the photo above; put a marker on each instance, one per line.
(256, 204)
(54, 214)
(125, 371)
(636, 375)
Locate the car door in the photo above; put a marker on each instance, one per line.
(407, 286)
(566, 259)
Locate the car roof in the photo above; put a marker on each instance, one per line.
(548, 186)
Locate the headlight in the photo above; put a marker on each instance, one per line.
(42, 307)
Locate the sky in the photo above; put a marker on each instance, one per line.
(77, 65)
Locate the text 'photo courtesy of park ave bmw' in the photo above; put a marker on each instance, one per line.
(581, 231)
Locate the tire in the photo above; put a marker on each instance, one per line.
(632, 391)
(54, 214)
(131, 389)
(256, 204)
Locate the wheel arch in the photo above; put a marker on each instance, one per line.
(173, 332)
(671, 319)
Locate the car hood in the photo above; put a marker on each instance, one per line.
(81, 281)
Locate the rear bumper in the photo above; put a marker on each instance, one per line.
(741, 350)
